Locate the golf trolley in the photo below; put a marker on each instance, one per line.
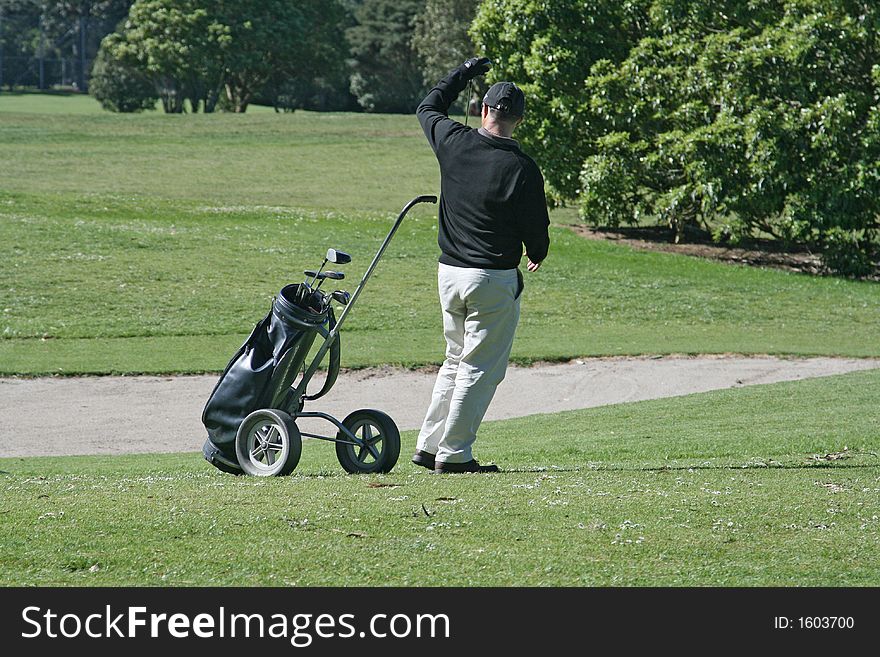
(252, 412)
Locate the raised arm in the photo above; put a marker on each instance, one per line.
(433, 111)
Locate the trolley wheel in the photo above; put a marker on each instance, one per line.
(381, 438)
(268, 444)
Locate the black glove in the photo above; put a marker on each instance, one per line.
(474, 67)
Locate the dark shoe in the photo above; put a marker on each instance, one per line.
(442, 467)
(424, 459)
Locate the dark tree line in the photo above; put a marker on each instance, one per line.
(200, 55)
(48, 43)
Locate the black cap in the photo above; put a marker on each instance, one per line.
(506, 97)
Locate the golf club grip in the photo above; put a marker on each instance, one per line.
(419, 199)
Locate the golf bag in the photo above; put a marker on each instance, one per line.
(262, 371)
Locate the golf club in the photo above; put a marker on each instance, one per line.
(470, 95)
(333, 275)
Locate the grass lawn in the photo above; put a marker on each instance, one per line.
(766, 485)
(153, 243)
(67, 102)
(98, 284)
(327, 161)
(61, 102)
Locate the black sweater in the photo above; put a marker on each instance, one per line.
(491, 193)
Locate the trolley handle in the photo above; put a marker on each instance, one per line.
(331, 337)
(369, 272)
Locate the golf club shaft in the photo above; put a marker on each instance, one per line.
(467, 103)
(320, 269)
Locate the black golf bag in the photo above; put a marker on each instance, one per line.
(262, 371)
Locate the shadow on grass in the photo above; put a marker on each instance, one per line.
(677, 468)
(685, 468)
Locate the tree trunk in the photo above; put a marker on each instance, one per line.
(211, 99)
(82, 69)
(172, 99)
(212, 95)
(239, 96)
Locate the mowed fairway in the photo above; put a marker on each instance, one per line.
(768, 485)
(153, 243)
(330, 161)
(109, 285)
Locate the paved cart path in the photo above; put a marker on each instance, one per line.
(121, 415)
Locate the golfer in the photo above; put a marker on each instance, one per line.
(491, 204)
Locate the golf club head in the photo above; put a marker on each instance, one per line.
(338, 257)
(341, 297)
(333, 275)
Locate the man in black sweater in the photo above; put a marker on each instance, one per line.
(491, 204)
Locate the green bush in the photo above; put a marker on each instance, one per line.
(548, 48)
(120, 88)
(848, 252)
(758, 115)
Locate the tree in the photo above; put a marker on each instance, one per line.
(325, 89)
(548, 48)
(280, 38)
(61, 36)
(120, 88)
(19, 41)
(194, 49)
(178, 45)
(441, 39)
(746, 119)
(387, 75)
(80, 25)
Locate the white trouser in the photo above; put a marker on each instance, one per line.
(480, 313)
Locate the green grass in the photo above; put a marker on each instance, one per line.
(30, 102)
(100, 284)
(328, 161)
(153, 243)
(66, 102)
(727, 488)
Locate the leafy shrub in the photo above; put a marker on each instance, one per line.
(759, 116)
(120, 88)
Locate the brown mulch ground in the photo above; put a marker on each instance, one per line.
(759, 253)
